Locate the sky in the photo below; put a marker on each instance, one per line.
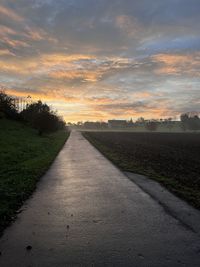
(103, 59)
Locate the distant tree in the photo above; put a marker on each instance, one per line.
(95, 125)
(79, 124)
(184, 121)
(169, 123)
(7, 106)
(194, 123)
(140, 121)
(130, 123)
(151, 125)
(190, 121)
(104, 125)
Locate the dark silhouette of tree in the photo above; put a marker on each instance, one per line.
(140, 121)
(7, 106)
(42, 118)
(168, 123)
(195, 123)
(46, 122)
(95, 125)
(190, 121)
(130, 123)
(151, 125)
(184, 121)
(31, 112)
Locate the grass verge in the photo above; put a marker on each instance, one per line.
(24, 158)
(181, 178)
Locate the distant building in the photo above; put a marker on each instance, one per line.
(117, 123)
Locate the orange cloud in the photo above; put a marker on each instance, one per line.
(9, 67)
(6, 52)
(83, 75)
(139, 95)
(24, 36)
(6, 30)
(55, 59)
(85, 68)
(15, 66)
(51, 95)
(14, 43)
(37, 34)
(9, 37)
(178, 64)
(10, 14)
(24, 94)
(172, 59)
(84, 116)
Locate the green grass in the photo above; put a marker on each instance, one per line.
(24, 158)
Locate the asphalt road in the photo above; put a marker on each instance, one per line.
(85, 212)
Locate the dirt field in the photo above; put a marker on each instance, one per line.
(173, 159)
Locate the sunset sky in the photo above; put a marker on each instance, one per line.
(103, 59)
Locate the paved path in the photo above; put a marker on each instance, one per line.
(85, 212)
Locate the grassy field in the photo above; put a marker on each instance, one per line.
(173, 159)
(24, 157)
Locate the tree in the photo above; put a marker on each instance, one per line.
(46, 122)
(140, 121)
(190, 121)
(7, 106)
(130, 123)
(169, 123)
(151, 125)
(194, 123)
(31, 112)
(41, 117)
(184, 121)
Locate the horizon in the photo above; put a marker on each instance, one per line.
(99, 60)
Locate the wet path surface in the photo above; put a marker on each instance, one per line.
(85, 212)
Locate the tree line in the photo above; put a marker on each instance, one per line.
(188, 121)
(41, 117)
(38, 115)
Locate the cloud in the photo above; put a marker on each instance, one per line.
(6, 52)
(128, 24)
(173, 44)
(4, 11)
(178, 64)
